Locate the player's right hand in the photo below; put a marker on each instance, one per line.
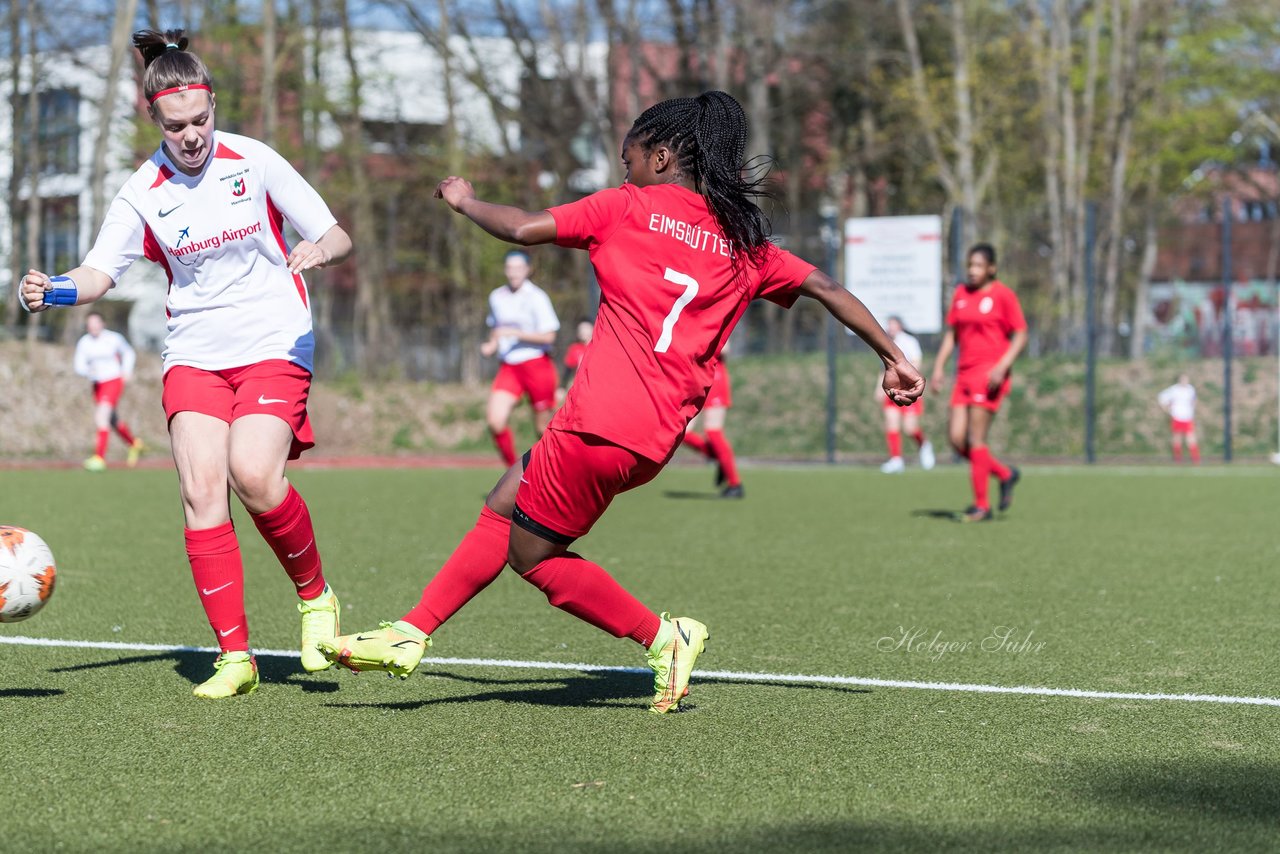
(903, 383)
(32, 288)
(455, 191)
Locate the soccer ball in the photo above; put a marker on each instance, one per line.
(26, 573)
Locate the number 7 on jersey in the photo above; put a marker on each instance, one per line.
(669, 324)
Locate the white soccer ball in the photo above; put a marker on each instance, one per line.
(27, 573)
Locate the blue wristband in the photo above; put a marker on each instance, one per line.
(61, 295)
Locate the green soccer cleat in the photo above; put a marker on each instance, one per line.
(320, 619)
(95, 463)
(135, 451)
(395, 648)
(233, 673)
(672, 662)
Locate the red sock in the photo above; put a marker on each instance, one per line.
(1177, 452)
(101, 448)
(999, 470)
(476, 562)
(724, 456)
(287, 529)
(979, 471)
(506, 446)
(699, 444)
(219, 576)
(576, 585)
(918, 435)
(893, 438)
(124, 432)
(1195, 453)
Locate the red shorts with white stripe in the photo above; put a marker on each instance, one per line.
(916, 407)
(1182, 428)
(720, 393)
(108, 391)
(569, 480)
(971, 390)
(275, 387)
(536, 378)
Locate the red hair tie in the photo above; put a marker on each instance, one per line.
(186, 88)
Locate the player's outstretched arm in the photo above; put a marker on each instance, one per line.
(90, 285)
(902, 382)
(512, 224)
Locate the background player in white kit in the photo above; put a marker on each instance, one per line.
(523, 327)
(209, 207)
(106, 358)
(900, 418)
(1179, 401)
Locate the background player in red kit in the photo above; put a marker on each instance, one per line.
(714, 445)
(209, 207)
(680, 249)
(985, 321)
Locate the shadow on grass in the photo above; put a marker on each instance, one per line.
(197, 667)
(30, 692)
(1236, 790)
(948, 515)
(579, 690)
(694, 496)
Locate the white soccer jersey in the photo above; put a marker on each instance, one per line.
(528, 309)
(104, 357)
(910, 347)
(219, 237)
(1180, 400)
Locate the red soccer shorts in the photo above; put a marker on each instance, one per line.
(971, 390)
(569, 480)
(915, 408)
(720, 393)
(275, 387)
(536, 378)
(108, 391)
(1182, 428)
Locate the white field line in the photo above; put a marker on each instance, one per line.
(722, 675)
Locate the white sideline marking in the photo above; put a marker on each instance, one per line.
(725, 675)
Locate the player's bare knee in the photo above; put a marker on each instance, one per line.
(256, 486)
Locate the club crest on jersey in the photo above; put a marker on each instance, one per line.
(238, 187)
(986, 305)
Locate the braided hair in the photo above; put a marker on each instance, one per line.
(167, 63)
(708, 137)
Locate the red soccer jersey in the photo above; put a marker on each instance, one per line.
(573, 356)
(983, 320)
(668, 301)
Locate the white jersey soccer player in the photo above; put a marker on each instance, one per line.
(232, 300)
(104, 357)
(209, 207)
(1179, 401)
(527, 309)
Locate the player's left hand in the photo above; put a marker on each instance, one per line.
(305, 256)
(903, 383)
(996, 378)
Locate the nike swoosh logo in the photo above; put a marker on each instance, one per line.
(223, 634)
(683, 633)
(522, 480)
(171, 210)
(362, 638)
(300, 554)
(402, 643)
(263, 400)
(216, 589)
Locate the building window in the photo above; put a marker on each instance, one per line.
(58, 237)
(57, 131)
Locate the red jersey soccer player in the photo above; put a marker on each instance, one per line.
(714, 445)
(679, 250)
(985, 321)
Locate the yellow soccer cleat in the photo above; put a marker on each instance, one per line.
(395, 648)
(233, 673)
(320, 618)
(677, 647)
(95, 463)
(135, 451)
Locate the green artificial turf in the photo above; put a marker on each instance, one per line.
(1141, 580)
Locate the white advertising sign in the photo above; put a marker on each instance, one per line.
(894, 265)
